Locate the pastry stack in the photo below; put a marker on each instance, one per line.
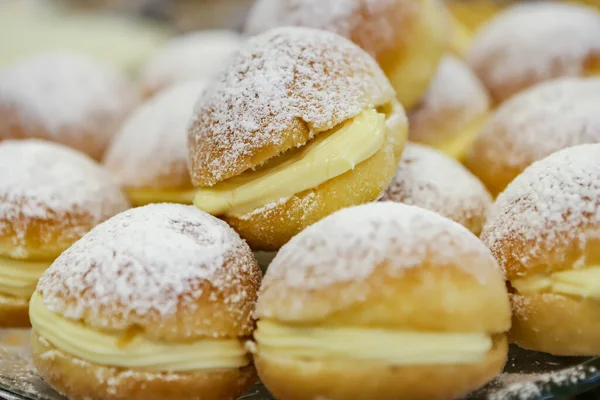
(423, 210)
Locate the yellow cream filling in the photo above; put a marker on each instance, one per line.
(421, 56)
(327, 156)
(459, 145)
(127, 350)
(142, 197)
(583, 282)
(371, 345)
(19, 278)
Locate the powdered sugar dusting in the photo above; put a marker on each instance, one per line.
(432, 180)
(349, 244)
(46, 181)
(194, 56)
(283, 86)
(375, 25)
(536, 42)
(148, 260)
(65, 98)
(536, 123)
(456, 99)
(553, 204)
(150, 150)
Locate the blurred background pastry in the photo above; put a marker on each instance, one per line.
(544, 230)
(64, 98)
(302, 124)
(429, 179)
(406, 37)
(50, 196)
(148, 156)
(155, 303)
(452, 111)
(191, 57)
(534, 42)
(535, 123)
(378, 302)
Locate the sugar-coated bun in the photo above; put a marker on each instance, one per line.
(150, 149)
(282, 89)
(64, 98)
(171, 272)
(429, 179)
(453, 108)
(546, 118)
(547, 221)
(531, 43)
(50, 196)
(383, 266)
(390, 30)
(196, 56)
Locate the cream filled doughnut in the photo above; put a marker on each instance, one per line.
(406, 37)
(50, 196)
(377, 302)
(64, 98)
(191, 57)
(530, 43)
(302, 124)
(452, 111)
(148, 156)
(429, 179)
(155, 303)
(546, 118)
(544, 230)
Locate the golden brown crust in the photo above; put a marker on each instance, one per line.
(14, 312)
(556, 324)
(283, 88)
(355, 380)
(80, 380)
(272, 228)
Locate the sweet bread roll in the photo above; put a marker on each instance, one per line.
(544, 230)
(196, 56)
(155, 303)
(50, 196)
(148, 156)
(530, 43)
(64, 98)
(534, 124)
(302, 124)
(380, 301)
(429, 179)
(406, 37)
(452, 111)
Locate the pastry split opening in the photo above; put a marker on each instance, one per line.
(582, 282)
(328, 155)
(18, 278)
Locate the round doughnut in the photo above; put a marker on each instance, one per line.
(406, 37)
(378, 301)
(530, 43)
(64, 98)
(300, 106)
(532, 125)
(190, 57)
(429, 179)
(154, 303)
(544, 230)
(148, 156)
(452, 111)
(50, 196)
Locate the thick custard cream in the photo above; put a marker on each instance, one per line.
(18, 278)
(421, 55)
(122, 349)
(460, 144)
(142, 197)
(584, 282)
(374, 345)
(327, 156)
